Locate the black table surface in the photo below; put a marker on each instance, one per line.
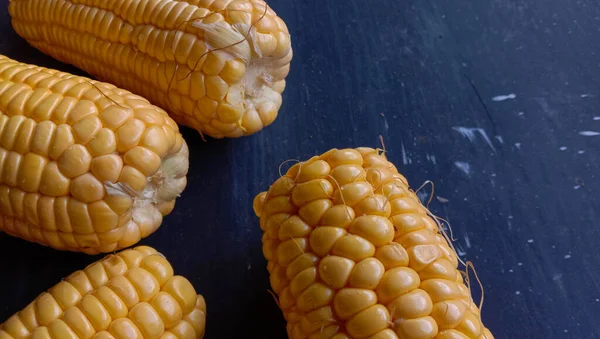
(496, 102)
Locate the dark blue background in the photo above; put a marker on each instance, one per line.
(526, 213)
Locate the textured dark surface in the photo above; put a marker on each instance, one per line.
(424, 75)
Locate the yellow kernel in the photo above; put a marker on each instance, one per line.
(183, 291)
(315, 296)
(303, 280)
(367, 274)
(31, 177)
(338, 216)
(75, 161)
(104, 142)
(216, 88)
(353, 247)
(392, 255)
(42, 137)
(133, 178)
(168, 308)
(350, 301)
(129, 134)
(87, 188)
(147, 320)
(395, 282)
(368, 322)
(420, 328)
(314, 211)
(377, 229)
(344, 157)
(335, 271)
(322, 239)
(114, 116)
(107, 167)
(413, 304)
(143, 159)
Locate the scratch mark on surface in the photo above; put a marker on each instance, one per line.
(405, 159)
(385, 123)
(563, 148)
(422, 196)
(580, 151)
(596, 118)
(576, 187)
(460, 251)
(585, 95)
(469, 133)
(504, 97)
(467, 241)
(463, 166)
(431, 158)
(567, 256)
(559, 282)
(589, 133)
(500, 139)
(442, 200)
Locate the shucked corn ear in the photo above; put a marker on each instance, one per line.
(352, 253)
(132, 294)
(215, 65)
(84, 166)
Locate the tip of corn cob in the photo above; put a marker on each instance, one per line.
(130, 294)
(352, 253)
(93, 167)
(216, 66)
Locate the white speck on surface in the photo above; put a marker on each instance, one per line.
(567, 256)
(530, 241)
(431, 158)
(493, 174)
(469, 133)
(584, 95)
(511, 270)
(442, 199)
(504, 97)
(596, 118)
(589, 133)
(499, 138)
(521, 113)
(518, 145)
(518, 292)
(563, 148)
(576, 187)
(463, 166)
(467, 241)
(566, 331)
(510, 217)
(519, 264)
(249, 267)
(598, 300)
(580, 151)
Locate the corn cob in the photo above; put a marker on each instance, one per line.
(84, 166)
(132, 294)
(353, 254)
(218, 66)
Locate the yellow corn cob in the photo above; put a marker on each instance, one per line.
(353, 254)
(132, 294)
(84, 166)
(215, 65)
